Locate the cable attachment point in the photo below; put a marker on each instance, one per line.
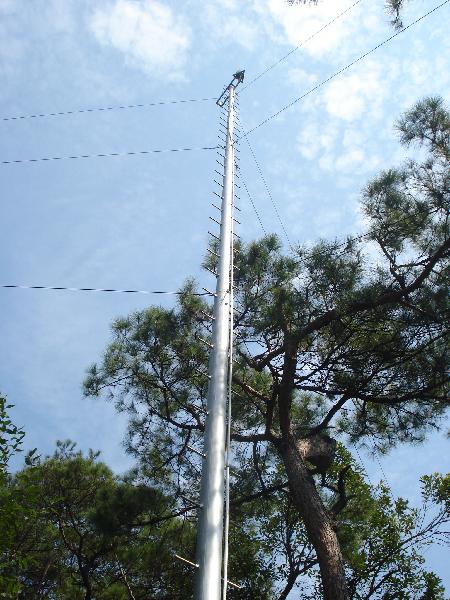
(200, 339)
(207, 316)
(200, 372)
(194, 504)
(238, 78)
(195, 451)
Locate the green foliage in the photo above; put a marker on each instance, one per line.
(13, 503)
(11, 436)
(92, 531)
(383, 539)
(436, 488)
(394, 8)
(434, 590)
(427, 124)
(93, 535)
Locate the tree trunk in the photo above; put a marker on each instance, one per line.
(84, 572)
(316, 519)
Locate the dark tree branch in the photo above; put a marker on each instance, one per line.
(384, 299)
(326, 421)
(265, 493)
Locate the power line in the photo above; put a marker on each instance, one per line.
(269, 193)
(252, 202)
(104, 108)
(365, 471)
(303, 43)
(360, 58)
(349, 240)
(114, 291)
(382, 472)
(139, 152)
(241, 177)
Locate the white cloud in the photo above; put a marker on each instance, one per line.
(7, 6)
(336, 146)
(315, 140)
(299, 22)
(349, 160)
(12, 45)
(349, 96)
(148, 33)
(299, 78)
(61, 15)
(226, 22)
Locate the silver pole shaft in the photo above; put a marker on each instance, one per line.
(210, 526)
(228, 434)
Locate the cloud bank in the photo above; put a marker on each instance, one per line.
(148, 33)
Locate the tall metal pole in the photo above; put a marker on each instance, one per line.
(210, 526)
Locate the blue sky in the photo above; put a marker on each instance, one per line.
(141, 221)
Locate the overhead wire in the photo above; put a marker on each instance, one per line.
(386, 481)
(343, 69)
(242, 180)
(303, 43)
(266, 186)
(86, 289)
(350, 240)
(123, 291)
(104, 108)
(252, 202)
(109, 154)
(272, 66)
(365, 471)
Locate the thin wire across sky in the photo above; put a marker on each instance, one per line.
(210, 147)
(348, 66)
(251, 82)
(107, 155)
(78, 111)
(110, 290)
(171, 102)
(303, 43)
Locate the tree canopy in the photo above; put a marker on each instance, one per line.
(14, 503)
(86, 533)
(81, 532)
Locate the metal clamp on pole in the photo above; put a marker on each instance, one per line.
(238, 78)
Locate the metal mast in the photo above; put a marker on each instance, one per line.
(210, 525)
